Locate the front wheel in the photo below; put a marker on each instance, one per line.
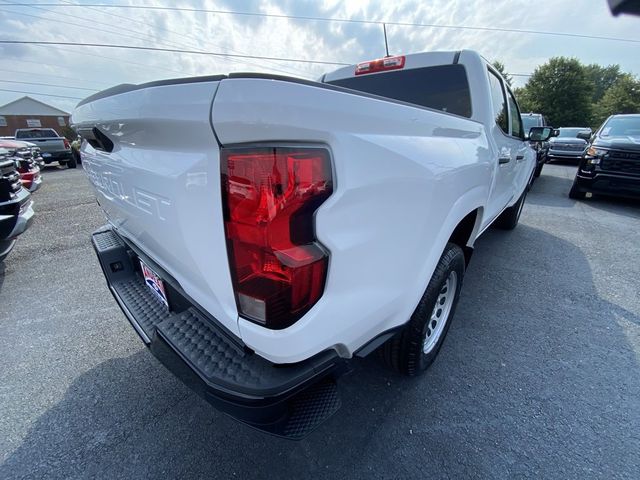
(413, 349)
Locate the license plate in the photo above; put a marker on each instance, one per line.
(46, 155)
(155, 283)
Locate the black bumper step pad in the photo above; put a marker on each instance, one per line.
(223, 363)
(284, 400)
(144, 307)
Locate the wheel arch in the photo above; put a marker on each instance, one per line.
(466, 231)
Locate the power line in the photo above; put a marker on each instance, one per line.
(42, 94)
(41, 74)
(49, 85)
(197, 40)
(342, 20)
(119, 31)
(170, 50)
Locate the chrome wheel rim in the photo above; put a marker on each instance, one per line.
(440, 313)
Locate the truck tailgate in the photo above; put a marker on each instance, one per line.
(48, 144)
(159, 182)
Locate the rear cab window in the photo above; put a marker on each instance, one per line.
(443, 87)
(517, 130)
(36, 133)
(499, 102)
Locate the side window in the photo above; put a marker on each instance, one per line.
(516, 120)
(499, 102)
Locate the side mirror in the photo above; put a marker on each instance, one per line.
(540, 134)
(584, 135)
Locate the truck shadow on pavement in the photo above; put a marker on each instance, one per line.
(537, 377)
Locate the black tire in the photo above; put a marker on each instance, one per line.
(508, 220)
(404, 352)
(72, 162)
(575, 192)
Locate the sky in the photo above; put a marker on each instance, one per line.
(81, 71)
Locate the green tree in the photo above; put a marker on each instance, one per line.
(499, 66)
(621, 97)
(561, 90)
(603, 78)
(524, 99)
(68, 132)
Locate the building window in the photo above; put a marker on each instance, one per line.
(61, 121)
(3, 122)
(33, 123)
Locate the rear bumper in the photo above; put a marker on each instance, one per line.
(610, 184)
(285, 400)
(49, 157)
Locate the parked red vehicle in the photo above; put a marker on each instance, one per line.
(29, 175)
(26, 165)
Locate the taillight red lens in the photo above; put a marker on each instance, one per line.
(278, 267)
(66, 143)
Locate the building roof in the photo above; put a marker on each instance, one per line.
(31, 106)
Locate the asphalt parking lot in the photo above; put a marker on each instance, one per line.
(539, 375)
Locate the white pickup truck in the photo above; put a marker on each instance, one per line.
(264, 230)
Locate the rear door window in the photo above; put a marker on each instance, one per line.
(444, 87)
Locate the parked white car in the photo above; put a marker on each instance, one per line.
(264, 230)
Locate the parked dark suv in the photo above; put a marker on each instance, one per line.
(611, 164)
(536, 120)
(570, 144)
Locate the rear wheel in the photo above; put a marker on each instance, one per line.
(508, 220)
(575, 191)
(415, 348)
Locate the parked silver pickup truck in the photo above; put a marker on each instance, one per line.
(54, 148)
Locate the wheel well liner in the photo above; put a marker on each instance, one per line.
(462, 234)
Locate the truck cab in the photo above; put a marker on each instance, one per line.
(463, 84)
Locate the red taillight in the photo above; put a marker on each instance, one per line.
(381, 65)
(66, 143)
(270, 194)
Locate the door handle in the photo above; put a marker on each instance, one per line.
(519, 157)
(504, 159)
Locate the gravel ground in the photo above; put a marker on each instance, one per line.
(539, 375)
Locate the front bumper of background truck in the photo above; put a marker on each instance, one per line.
(284, 400)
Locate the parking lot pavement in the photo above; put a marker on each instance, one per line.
(539, 376)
